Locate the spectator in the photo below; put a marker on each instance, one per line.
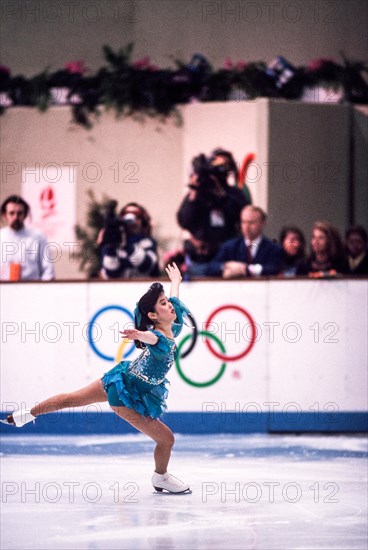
(327, 253)
(252, 253)
(292, 242)
(209, 212)
(127, 247)
(356, 250)
(24, 255)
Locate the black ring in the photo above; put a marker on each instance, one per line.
(194, 337)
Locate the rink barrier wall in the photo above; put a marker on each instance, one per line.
(197, 423)
(272, 355)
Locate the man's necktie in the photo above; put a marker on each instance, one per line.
(250, 253)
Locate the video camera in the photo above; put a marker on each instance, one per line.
(205, 172)
(220, 165)
(116, 227)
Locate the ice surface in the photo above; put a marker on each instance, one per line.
(264, 492)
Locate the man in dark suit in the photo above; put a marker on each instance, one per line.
(251, 254)
(356, 240)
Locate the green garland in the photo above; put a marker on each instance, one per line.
(89, 254)
(140, 89)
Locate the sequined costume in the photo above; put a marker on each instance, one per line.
(141, 384)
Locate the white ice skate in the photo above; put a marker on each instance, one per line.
(167, 482)
(19, 418)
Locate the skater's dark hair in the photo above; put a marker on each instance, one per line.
(145, 306)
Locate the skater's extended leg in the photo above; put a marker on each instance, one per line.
(93, 393)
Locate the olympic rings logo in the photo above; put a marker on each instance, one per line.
(183, 351)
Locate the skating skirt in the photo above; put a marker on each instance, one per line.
(126, 390)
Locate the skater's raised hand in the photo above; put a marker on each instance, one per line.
(173, 272)
(175, 277)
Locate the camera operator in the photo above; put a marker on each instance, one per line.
(210, 211)
(127, 247)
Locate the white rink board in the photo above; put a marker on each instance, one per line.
(310, 348)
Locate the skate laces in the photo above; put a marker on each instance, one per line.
(174, 480)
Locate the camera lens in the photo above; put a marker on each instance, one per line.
(129, 219)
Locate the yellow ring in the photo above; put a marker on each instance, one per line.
(119, 353)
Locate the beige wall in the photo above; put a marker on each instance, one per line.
(160, 155)
(149, 152)
(46, 33)
(240, 127)
(301, 171)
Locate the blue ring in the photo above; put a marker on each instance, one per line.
(90, 340)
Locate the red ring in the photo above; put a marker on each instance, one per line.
(251, 343)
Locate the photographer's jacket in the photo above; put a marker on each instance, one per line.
(212, 219)
(137, 258)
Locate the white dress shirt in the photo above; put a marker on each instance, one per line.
(28, 248)
(252, 246)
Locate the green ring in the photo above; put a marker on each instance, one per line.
(218, 375)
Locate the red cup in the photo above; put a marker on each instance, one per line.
(15, 272)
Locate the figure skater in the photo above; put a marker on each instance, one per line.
(136, 390)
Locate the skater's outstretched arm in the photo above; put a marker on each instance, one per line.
(145, 336)
(175, 277)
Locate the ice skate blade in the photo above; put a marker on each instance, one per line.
(160, 491)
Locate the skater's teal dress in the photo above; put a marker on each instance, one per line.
(141, 384)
